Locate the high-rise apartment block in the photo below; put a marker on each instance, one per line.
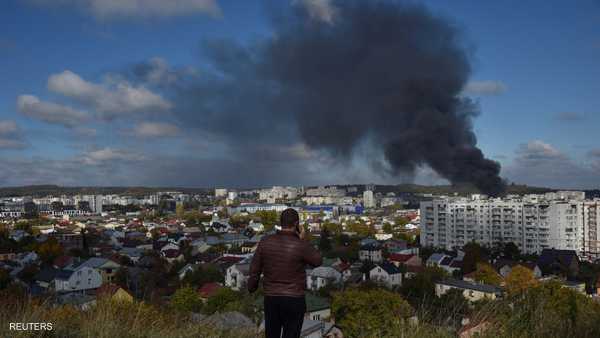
(562, 220)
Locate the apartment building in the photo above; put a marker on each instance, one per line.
(562, 220)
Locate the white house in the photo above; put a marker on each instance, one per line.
(81, 279)
(169, 246)
(236, 276)
(387, 274)
(322, 276)
(471, 291)
(370, 252)
(256, 226)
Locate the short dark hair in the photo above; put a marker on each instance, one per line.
(289, 218)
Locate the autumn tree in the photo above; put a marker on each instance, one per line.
(369, 313)
(486, 274)
(49, 250)
(519, 279)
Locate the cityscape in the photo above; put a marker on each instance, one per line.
(299, 168)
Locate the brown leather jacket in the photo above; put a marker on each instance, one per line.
(282, 259)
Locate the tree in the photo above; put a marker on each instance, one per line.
(486, 274)
(325, 241)
(511, 251)
(186, 299)
(387, 228)
(179, 210)
(268, 218)
(206, 273)
(473, 255)
(220, 300)
(519, 279)
(422, 285)
(369, 313)
(4, 279)
(49, 250)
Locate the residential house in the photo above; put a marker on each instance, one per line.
(322, 276)
(471, 291)
(7, 255)
(446, 262)
(559, 262)
(81, 279)
(237, 276)
(317, 308)
(44, 279)
(172, 255)
(249, 247)
(406, 260)
(395, 245)
(134, 254)
(505, 266)
(208, 289)
(114, 292)
(370, 252)
(387, 274)
(199, 246)
(107, 268)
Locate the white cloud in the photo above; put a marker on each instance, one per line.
(155, 129)
(11, 144)
(106, 155)
(537, 150)
(484, 88)
(539, 163)
(157, 71)
(570, 116)
(321, 10)
(50, 112)
(10, 136)
(110, 99)
(8, 127)
(107, 9)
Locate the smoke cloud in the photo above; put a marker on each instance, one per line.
(386, 74)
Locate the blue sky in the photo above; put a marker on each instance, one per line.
(536, 76)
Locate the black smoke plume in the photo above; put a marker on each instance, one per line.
(385, 72)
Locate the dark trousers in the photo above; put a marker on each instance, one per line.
(285, 313)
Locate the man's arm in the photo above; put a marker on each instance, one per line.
(312, 256)
(255, 269)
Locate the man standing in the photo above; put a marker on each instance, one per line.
(282, 259)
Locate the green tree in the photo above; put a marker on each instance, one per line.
(4, 279)
(387, 228)
(369, 313)
(511, 251)
(325, 241)
(221, 300)
(268, 217)
(186, 299)
(422, 285)
(473, 254)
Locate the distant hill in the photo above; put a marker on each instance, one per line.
(45, 190)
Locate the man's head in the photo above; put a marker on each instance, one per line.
(289, 218)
